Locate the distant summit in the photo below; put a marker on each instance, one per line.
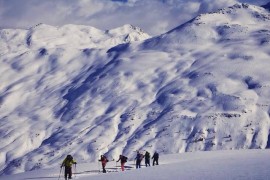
(70, 35)
(234, 22)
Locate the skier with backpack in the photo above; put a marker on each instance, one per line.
(123, 160)
(67, 163)
(147, 158)
(139, 158)
(155, 157)
(103, 159)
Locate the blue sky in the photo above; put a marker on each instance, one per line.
(153, 16)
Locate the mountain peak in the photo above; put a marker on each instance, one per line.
(127, 28)
(70, 35)
(241, 5)
(234, 22)
(128, 33)
(41, 26)
(238, 13)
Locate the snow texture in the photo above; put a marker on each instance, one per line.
(222, 165)
(202, 86)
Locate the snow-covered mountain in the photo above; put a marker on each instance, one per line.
(67, 36)
(201, 86)
(233, 23)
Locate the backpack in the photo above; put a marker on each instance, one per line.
(147, 155)
(156, 155)
(125, 159)
(69, 157)
(141, 156)
(68, 161)
(104, 159)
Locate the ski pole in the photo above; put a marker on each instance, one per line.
(75, 171)
(60, 173)
(98, 166)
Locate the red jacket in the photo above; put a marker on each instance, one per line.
(103, 160)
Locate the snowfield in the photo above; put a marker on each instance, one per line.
(222, 165)
(203, 86)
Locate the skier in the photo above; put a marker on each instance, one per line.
(147, 158)
(67, 163)
(104, 161)
(155, 157)
(139, 158)
(123, 160)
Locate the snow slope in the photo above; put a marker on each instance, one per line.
(67, 36)
(222, 165)
(201, 86)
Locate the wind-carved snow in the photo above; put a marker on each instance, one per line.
(202, 86)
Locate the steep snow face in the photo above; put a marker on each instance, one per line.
(76, 36)
(236, 22)
(202, 86)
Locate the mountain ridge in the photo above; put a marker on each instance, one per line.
(42, 35)
(204, 28)
(173, 93)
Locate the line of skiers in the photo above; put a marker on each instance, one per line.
(139, 157)
(146, 156)
(69, 161)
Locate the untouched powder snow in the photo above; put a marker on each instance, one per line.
(202, 86)
(222, 165)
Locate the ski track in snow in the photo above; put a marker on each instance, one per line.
(69, 90)
(223, 165)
